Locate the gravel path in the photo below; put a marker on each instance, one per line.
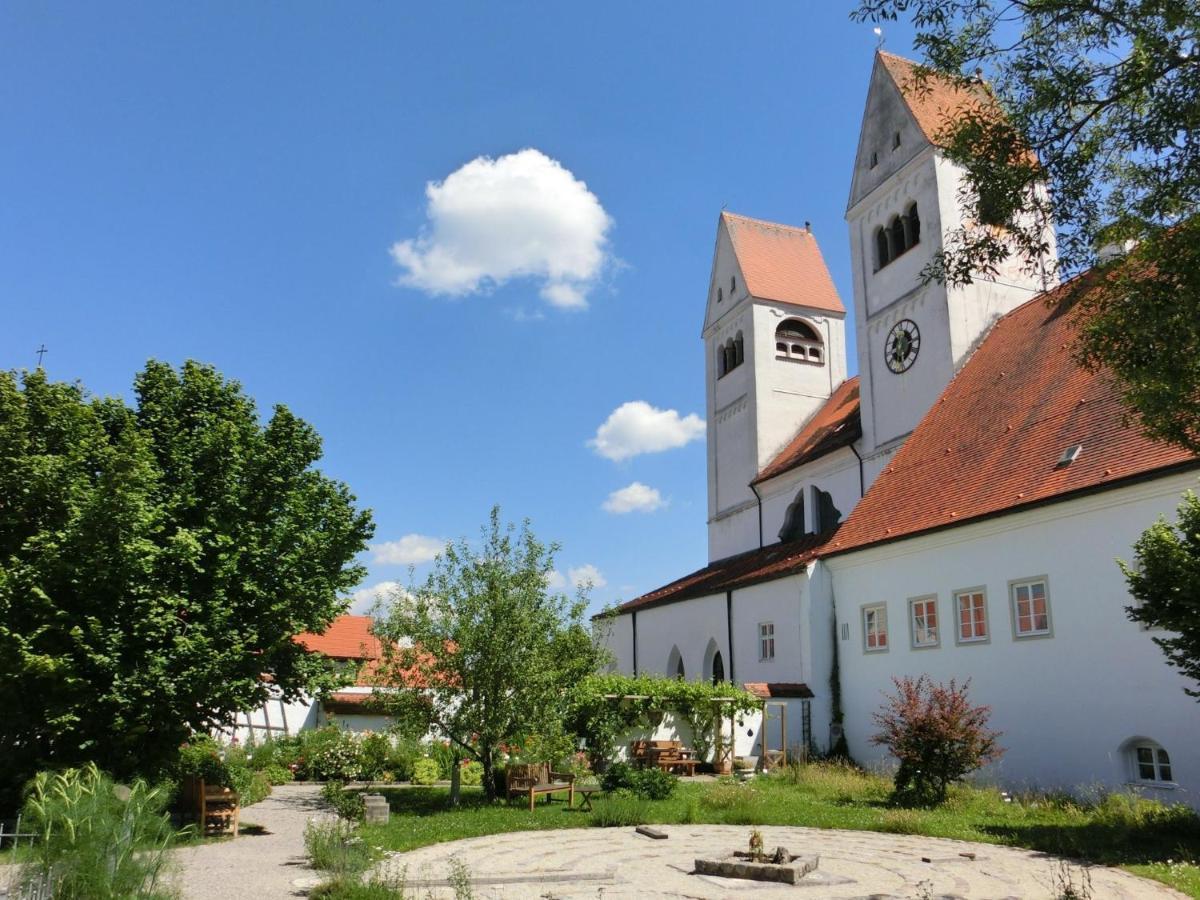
(260, 866)
(612, 863)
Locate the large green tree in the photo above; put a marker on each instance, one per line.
(1165, 583)
(1101, 105)
(155, 562)
(484, 653)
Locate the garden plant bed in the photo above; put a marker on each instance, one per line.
(741, 865)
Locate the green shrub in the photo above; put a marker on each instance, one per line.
(374, 750)
(98, 840)
(349, 805)
(618, 810)
(401, 758)
(426, 771)
(276, 774)
(201, 757)
(651, 784)
(471, 773)
(444, 755)
(334, 847)
(274, 751)
(251, 786)
(329, 754)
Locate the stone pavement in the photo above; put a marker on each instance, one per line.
(614, 863)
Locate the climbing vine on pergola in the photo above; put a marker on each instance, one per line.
(605, 707)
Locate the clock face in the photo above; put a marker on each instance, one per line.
(903, 343)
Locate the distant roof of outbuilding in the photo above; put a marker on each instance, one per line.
(347, 637)
(782, 263)
(998, 438)
(742, 570)
(835, 425)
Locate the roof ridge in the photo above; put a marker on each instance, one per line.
(800, 229)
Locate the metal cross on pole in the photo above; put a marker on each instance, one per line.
(41, 351)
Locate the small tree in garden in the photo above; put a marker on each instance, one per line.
(936, 734)
(483, 652)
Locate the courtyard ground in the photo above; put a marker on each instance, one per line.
(619, 863)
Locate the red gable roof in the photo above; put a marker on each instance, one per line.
(834, 425)
(933, 100)
(347, 637)
(782, 263)
(743, 570)
(993, 442)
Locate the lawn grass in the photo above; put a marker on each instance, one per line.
(1145, 837)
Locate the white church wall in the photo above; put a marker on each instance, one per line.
(734, 532)
(695, 626)
(819, 621)
(1066, 704)
(789, 393)
(836, 473)
(615, 633)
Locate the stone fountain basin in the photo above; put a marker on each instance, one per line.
(740, 865)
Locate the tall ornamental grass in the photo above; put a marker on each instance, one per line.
(97, 840)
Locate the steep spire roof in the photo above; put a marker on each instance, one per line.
(933, 100)
(782, 263)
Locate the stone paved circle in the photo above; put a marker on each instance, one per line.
(613, 863)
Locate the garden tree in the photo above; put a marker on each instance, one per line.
(483, 652)
(1101, 103)
(936, 734)
(155, 563)
(1165, 583)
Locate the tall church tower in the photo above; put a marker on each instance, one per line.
(775, 345)
(904, 199)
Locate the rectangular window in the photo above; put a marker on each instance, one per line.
(923, 615)
(766, 640)
(972, 616)
(1030, 608)
(875, 636)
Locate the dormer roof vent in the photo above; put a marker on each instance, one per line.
(1069, 456)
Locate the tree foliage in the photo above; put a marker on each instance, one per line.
(483, 652)
(1101, 103)
(1165, 583)
(936, 734)
(155, 561)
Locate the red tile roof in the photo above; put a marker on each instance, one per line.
(743, 570)
(777, 690)
(934, 100)
(782, 263)
(347, 637)
(834, 425)
(992, 443)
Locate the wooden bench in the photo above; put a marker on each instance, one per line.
(217, 808)
(670, 756)
(536, 779)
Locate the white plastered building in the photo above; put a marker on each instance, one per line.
(954, 510)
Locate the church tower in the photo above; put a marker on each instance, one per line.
(904, 199)
(775, 349)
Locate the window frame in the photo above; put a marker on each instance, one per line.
(987, 623)
(1158, 764)
(1014, 616)
(875, 607)
(912, 623)
(763, 638)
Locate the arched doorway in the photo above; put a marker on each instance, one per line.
(718, 668)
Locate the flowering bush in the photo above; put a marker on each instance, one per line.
(332, 755)
(936, 734)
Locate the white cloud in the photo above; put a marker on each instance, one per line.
(585, 575)
(518, 216)
(637, 497)
(410, 550)
(366, 598)
(637, 427)
(555, 580)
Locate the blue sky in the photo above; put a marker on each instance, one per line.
(245, 184)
